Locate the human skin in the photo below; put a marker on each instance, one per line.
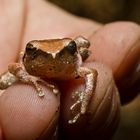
(23, 115)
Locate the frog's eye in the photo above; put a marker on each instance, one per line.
(30, 47)
(72, 48)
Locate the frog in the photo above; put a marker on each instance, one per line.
(54, 59)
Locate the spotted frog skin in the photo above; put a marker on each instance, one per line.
(54, 59)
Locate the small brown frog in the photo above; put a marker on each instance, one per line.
(54, 59)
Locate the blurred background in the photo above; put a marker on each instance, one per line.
(106, 11)
(103, 10)
(129, 128)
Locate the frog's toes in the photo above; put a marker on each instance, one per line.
(6, 80)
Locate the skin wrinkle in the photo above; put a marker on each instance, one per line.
(128, 54)
(117, 110)
(111, 115)
(110, 112)
(136, 73)
(50, 124)
(115, 119)
(101, 102)
(113, 110)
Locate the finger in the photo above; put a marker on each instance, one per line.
(103, 116)
(54, 23)
(118, 46)
(24, 115)
(11, 28)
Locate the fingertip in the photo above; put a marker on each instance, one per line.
(117, 45)
(24, 115)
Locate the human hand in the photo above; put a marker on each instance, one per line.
(25, 116)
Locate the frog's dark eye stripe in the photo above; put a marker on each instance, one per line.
(31, 51)
(72, 48)
(30, 47)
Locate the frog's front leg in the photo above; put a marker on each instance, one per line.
(18, 70)
(84, 97)
(7, 78)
